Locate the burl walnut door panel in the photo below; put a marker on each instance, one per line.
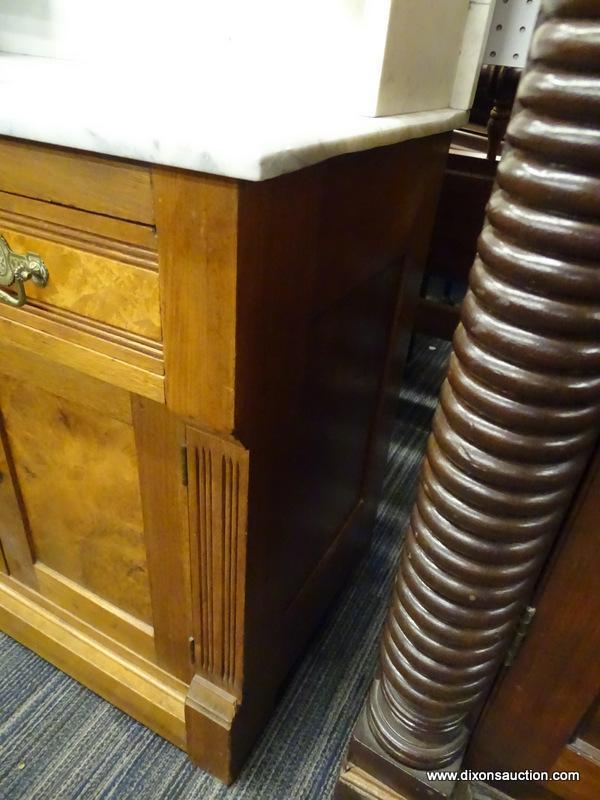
(71, 523)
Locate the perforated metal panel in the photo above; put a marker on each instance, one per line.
(510, 33)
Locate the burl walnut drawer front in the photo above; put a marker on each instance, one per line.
(80, 285)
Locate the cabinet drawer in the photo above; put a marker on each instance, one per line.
(99, 309)
(75, 179)
(93, 286)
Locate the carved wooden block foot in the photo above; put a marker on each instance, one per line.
(399, 728)
(515, 423)
(378, 774)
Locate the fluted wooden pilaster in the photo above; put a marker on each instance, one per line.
(518, 411)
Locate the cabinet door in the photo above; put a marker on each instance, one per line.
(71, 513)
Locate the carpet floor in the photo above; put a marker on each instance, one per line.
(59, 741)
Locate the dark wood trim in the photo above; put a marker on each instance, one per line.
(567, 645)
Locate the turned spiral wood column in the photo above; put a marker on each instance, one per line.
(518, 411)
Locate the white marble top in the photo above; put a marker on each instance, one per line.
(238, 124)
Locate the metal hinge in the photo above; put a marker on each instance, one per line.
(192, 644)
(520, 633)
(184, 465)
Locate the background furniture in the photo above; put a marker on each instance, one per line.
(466, 188)
(465, 191)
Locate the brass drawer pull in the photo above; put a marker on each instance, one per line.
(15, 269)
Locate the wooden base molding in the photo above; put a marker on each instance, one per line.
(211, 714)
(137, 687)
(358, 784)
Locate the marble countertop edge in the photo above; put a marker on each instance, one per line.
(238, 132)
(396, 129)
(257, 164)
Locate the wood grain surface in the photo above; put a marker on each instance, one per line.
(80, 491)
(108, 186)
(122, 295)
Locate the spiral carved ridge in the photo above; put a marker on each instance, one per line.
(518, 412)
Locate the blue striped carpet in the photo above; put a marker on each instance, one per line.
(59, 741)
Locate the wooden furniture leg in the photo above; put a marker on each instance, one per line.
(506, 84)
(514, 427)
